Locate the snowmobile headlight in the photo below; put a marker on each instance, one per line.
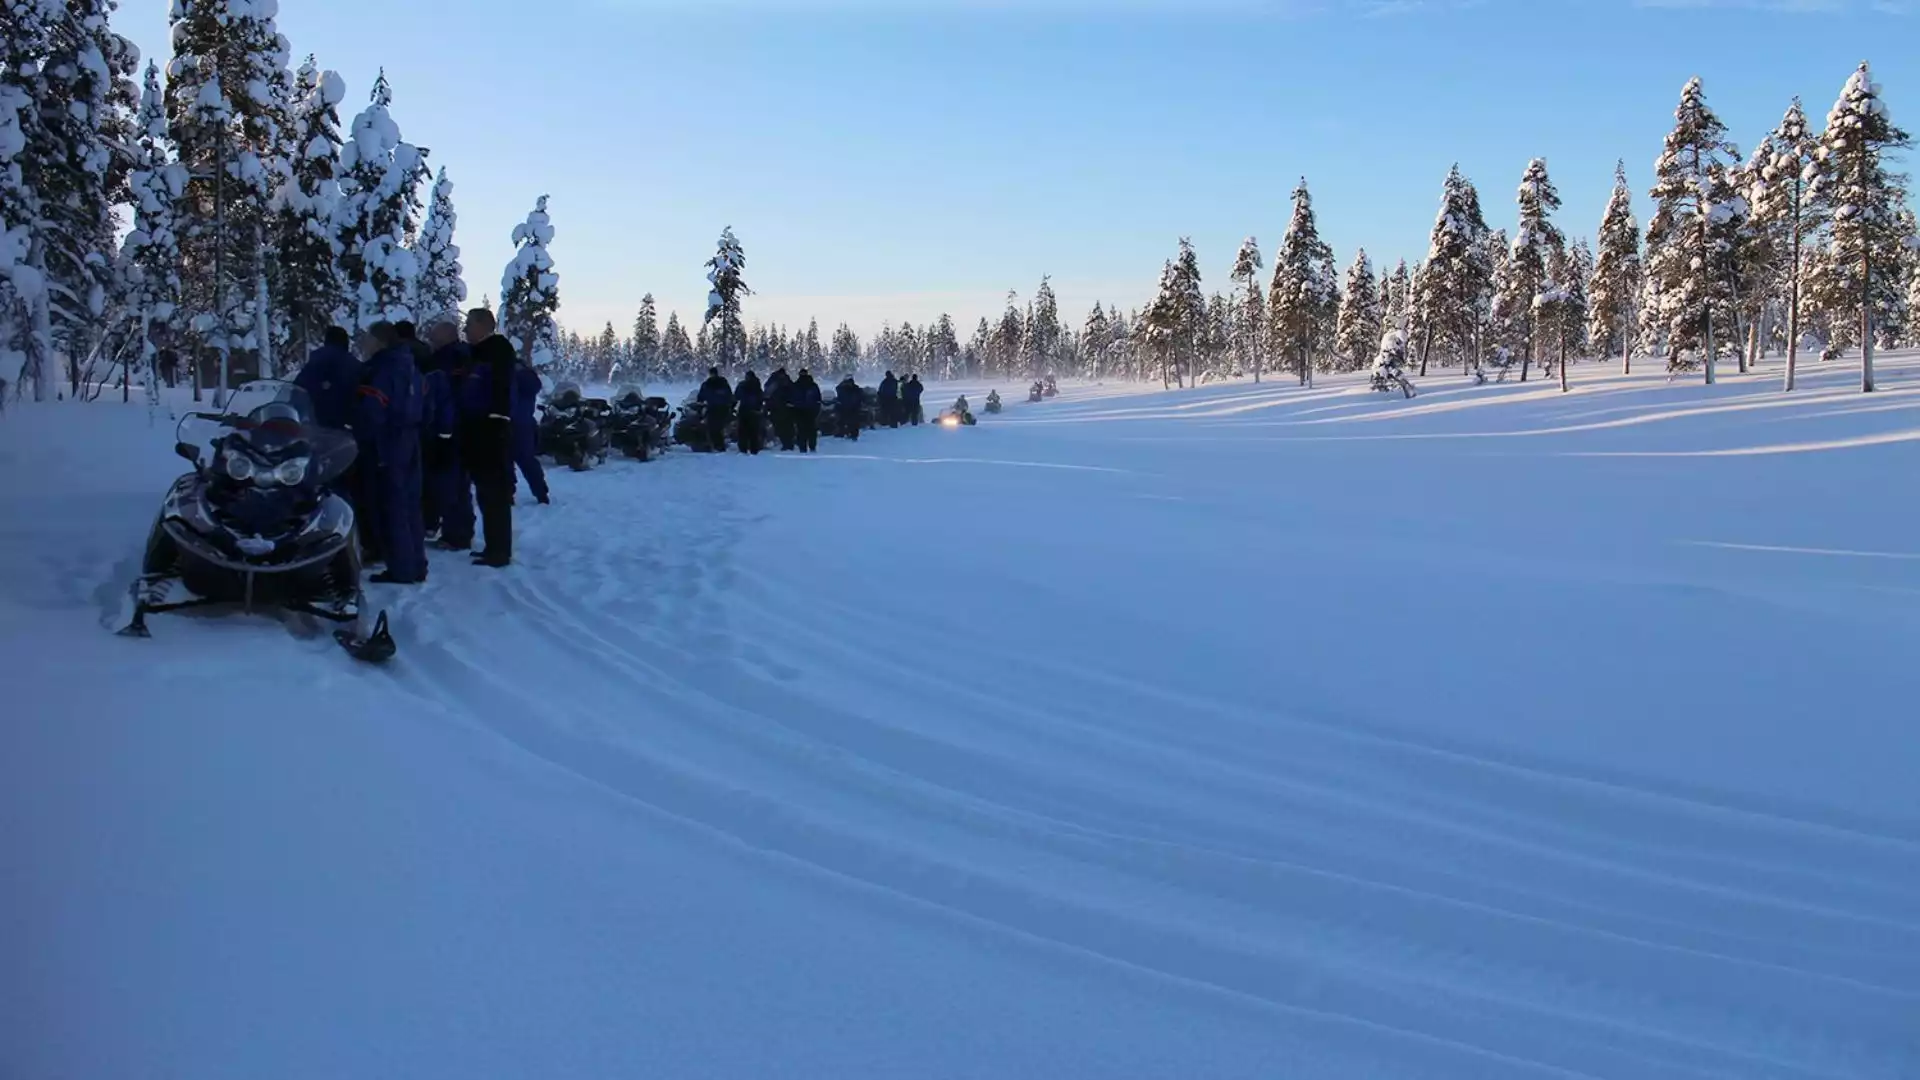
(949, 421)
(239, 466)
(290, 472)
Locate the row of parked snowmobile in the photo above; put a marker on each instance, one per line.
(582, 432)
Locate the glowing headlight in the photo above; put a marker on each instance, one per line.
(239, 466)
(949, 421)
(291, 472)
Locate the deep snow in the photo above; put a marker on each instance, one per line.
(1238, 732)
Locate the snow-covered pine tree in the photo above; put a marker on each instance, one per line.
(26, 327)
(1534, 241)
(1189, 312)
(308, 289)
(1250, 327)
(440, 289)
(1044, 331)
(1783, 212)
(530, 290)
(812, 356)
(1560, 307)
(1615, 285)
(1397, 303)
(676, 350)
(1162, 320)
(980, 348)
(224, 109)
(1860, 198)
(1499, 317)
(1094, 336)
(378, 213)
(1358, 331)
(1455, 282)
(1302, 304)
(727, 288)
(1741, 249)
(943, 348)
(1007, 336)
(645, 346)
(151, 254)
(844, 356)
(1688, 284)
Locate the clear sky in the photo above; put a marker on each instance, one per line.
(892, 159)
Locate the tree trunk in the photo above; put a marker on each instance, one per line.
(1710, 350)
(219, 268)
(1626, 341)
(1793, 306)
(1866, 318)
(1563, 361)
(1526, 355)
(1426, 347)
(1753, 343)
(269, 363)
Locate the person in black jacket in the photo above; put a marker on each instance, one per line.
(716, 399)
(890, 401)
(806, 401)
(780, 404)
(486, 443)
(748, 402)
(848, 403)
(910, 392)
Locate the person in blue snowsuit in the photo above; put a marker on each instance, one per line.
(449, 492)
(849, 401)
(487, 405)
(804, 398)
(910, 392)
(331, 378)
(386, 423)
(749, 399)
(716, 400)
(526, 431)
(890, 401)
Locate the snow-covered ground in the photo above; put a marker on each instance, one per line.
(1241, 732)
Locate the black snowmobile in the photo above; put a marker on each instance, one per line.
(572, 428)
(1050, 388)
(639, 427)
(1036, 392)
(258, 521)
(993, 401)
(690, 425)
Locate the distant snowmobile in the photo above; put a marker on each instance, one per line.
(993, 401)
(639, 427)
(1050, 388)
(256, 523)
(572, 428)
(958, 416)
(1036, 392)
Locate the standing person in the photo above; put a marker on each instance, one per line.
(486, 434)
(716, 399)
(449, 491)
(847, 403)
(526, 431)
(331, 378)
(436, 409)
(780, 403)
(910, 396)
(806, 412)
(748, 401)
(890, 401)
(387, 422)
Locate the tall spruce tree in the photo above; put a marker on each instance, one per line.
(440, 289)
(1397, 304)
(1250, 327)
(151, 255)
(1357, 335)
(728, 287)
(676, 350)
(377, 216)
(1860, 198)
(1303, 302)
(1455, 283)
(645, 348)
(308, 290)
(1617, 272)
(1007, 337)
(844, 354)
(1691, 294)
(1783, 211)
(943, 348)
(1094, 334)
(1044, 333)
(530, 289)
(1534, 241)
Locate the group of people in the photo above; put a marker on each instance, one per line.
(793, 405)
(440, 424)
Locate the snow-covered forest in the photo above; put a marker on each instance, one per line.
(219, 208)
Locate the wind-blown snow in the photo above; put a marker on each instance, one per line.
(1247, 732)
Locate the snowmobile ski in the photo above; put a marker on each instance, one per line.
(376, 648)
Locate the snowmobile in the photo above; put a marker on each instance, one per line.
(1050, 388)
(957, 416)
(993, 401)
(572, 430)
(639, 426)
(1036, 392)
(259, 522)
(690, 425)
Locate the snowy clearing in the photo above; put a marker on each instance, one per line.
(1238, 732)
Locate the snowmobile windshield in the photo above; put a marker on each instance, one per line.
(628, 396)
(566, 395)
(267, 437)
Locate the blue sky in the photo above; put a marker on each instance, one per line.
(892, 159)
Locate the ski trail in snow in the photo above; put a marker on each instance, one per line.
(1787, 550)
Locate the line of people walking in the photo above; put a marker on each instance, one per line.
(441, 425)
(792, 406)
